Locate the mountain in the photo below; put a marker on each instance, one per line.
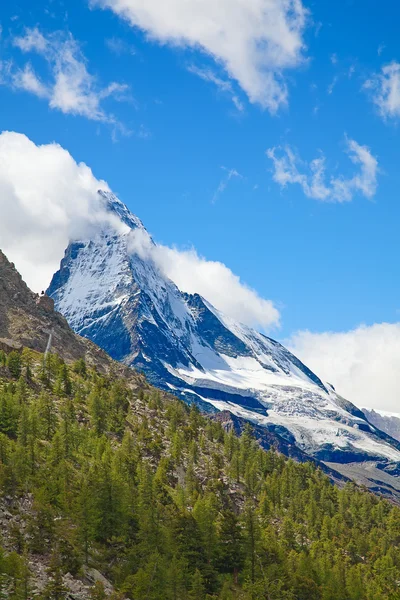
(385, 421)
(111, 291)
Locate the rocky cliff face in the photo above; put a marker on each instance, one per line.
(27, 319)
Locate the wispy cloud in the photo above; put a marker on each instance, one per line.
(384, 89)
(381, 48)
(332, 85)
(351, 71)
(68, 86)
(32, 40)
(255, 42)
(223, 85)
(223, 184)
(312, 177)
(26, 79)
(119, 46)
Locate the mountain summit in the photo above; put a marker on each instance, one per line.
(111, 291)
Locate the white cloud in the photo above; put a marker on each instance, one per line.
(33, 40)
(289, 169)
(362, 364)
(332, 85)
(211, 279)
(26, 79)
(351, 71)
(230, 174)
(256, 41)
(384, 89)
(70, 87)
(46, 199)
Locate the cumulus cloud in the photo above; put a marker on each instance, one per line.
(312, 177)
(211, 279)
(362, 364)
(384, 89)
(46, 200)
(69, 87)
(255, 41)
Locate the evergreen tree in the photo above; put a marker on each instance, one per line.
(14, 364)
(231, 552)
(55, 588)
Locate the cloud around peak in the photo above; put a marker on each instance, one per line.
(47, 199)
(213, 280)
(255, 41)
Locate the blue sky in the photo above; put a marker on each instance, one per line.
(188, 156)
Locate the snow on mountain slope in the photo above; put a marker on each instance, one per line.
(120, 299)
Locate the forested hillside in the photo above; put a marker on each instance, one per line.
(100, 475)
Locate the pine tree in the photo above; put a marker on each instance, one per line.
(14, 364)
(55, 588)
(198, 590)
(97, 592)
(231, 555)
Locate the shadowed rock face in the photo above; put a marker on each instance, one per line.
(10, 345)
(45, 303)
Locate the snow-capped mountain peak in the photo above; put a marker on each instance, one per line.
(113, 292)
(119, 209)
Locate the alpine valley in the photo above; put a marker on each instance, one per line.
(112, 291)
